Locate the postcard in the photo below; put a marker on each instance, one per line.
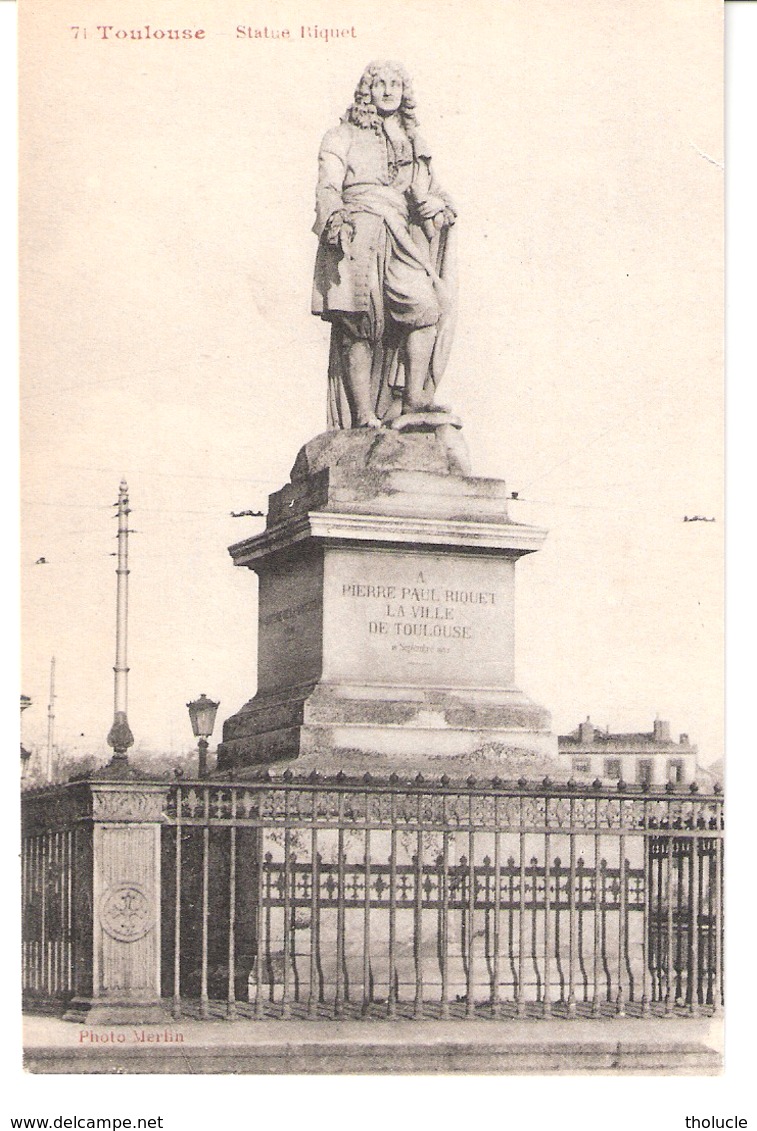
(372, 549)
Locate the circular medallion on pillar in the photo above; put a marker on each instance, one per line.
(126, 912)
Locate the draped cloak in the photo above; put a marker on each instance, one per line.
(390, 241)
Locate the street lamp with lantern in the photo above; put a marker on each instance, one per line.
(202, 713)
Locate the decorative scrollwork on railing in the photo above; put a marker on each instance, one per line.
(583, 813)
(248, 804)
(534, 812)
(192, 803)
(559, 812)
(457, 809)
(407, 809)
(374, 805)
(378, 809)
(482, 812)
(609, 813)
(634, 813)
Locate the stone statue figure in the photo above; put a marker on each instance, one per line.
(384, 274)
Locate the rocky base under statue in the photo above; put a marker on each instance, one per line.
(386, 610)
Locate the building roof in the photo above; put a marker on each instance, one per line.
(590, 738)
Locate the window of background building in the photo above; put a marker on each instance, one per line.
(675, 770)
(612, 769)
(644, 771)
(581, 765)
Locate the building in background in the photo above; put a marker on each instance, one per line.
(642, 759)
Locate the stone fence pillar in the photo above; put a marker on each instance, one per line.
(117, 904)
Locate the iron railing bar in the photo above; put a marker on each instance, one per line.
(340, 914)
(708, 987)
(367, 919)
(39, 978)
(268, 904)
(176, 1007)
(520, 995)
(584, 904)
(620, 1001)
(57, 879)
(25, 917)
(596, 1007)
(204, 1000)
(469, 986)
(259, 914)
(718, 991)
(40, 957)
(313, 995)
(43, 879)
(392, 993)
(547, 993)
(285, 1003)
(445, 923)
(71, 835)
(51, 911)
(669, 970)
(418, 916)
(645, 926)
(572, 925)
(497, 909)
(61, 912)
(661, 846)
(692, 989)
(231, 1003)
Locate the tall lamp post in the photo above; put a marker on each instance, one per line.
(202, 713)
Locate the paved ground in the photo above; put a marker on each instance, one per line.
(629, 1046)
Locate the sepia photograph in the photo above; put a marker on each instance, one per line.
(372, 537)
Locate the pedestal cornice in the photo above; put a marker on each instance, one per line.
(510, 539)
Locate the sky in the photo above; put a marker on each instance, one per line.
(166, 265)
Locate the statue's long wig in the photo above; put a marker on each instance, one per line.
(363, 113)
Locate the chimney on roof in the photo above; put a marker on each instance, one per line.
(586, 731)
(661, 731)
(683, 739)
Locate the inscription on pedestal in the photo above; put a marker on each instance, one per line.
(289, 642)
(419, 610)
(391, 617)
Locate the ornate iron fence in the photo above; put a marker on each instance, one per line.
(336, 897)
(332, 897)
(47, 876)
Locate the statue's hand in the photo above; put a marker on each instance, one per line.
(430, 207)
(339, 229)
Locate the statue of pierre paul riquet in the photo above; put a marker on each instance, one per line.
(386, 567)
(384, 274)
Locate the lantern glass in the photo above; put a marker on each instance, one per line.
(202, 713)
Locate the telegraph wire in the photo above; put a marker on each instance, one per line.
(174, 474)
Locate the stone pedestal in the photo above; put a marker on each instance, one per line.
(386, 614)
